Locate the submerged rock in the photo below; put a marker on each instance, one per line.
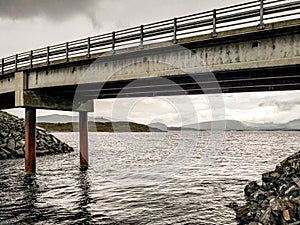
(12, 139)
(277, 199)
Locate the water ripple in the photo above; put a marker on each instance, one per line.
(197, 193)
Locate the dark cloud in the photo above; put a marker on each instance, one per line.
(55, 10)
(281, 105)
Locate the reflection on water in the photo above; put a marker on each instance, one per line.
(30, 190)
(84, 214)
(61, 193)
(21, 205)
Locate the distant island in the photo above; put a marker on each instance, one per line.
(64, 123)
(98, 127)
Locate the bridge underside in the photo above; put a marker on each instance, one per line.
(255, 80)
(76, 97)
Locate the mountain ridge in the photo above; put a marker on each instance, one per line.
(228, 125)
(235, 125)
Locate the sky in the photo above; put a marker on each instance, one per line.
(31, 24)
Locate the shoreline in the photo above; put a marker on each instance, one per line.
(12, 139)
(98, 127)
(276, 200)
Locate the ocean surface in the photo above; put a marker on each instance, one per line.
(142, 178)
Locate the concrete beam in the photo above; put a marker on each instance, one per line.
(87, 106)
(39, 100)
(45, 101)
(35, 99)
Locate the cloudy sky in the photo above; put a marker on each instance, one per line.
(30, 24)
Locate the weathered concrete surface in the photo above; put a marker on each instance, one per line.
(47, 101)
(20, 82)
(7, 85)
(177, 60)
(43, 100)
(278, 45)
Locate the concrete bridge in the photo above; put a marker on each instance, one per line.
(253, 46)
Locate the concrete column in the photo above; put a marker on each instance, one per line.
(30, 141)
(20, 86)
(83, 132)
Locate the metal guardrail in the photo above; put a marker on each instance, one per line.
(256, 12)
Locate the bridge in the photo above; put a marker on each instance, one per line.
(249, 47)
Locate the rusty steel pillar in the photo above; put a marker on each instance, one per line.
(83, 132)
(30, 141)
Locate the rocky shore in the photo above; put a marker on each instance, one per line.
(277, 200)
(12, 139)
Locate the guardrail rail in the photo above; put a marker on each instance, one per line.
(256, 12)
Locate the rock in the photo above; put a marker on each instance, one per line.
(245, 214)
(233, 205)
(251, 188)
(19, 153)
(275, 205)
(55, 140)
(3, 145)
(3, 134)
(277, 200)
(286, 215)
(270, 176)
(12, 143)
(291, 207)
(290, 189)
(20, 144)
(3, 155)
(297, 181)
(42, 152)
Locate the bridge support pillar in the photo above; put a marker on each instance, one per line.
(83, 132)
(30, 141)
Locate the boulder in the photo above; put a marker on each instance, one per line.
(277, 199)
(12, 139)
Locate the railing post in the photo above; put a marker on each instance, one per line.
(261, 25)
(142, 37)
(48, 55)
(31, 58)
(113, 42)
(16, 62)
(214, 32)
(89, 47)
(67, 51)
(175, 31)
(2, 66)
